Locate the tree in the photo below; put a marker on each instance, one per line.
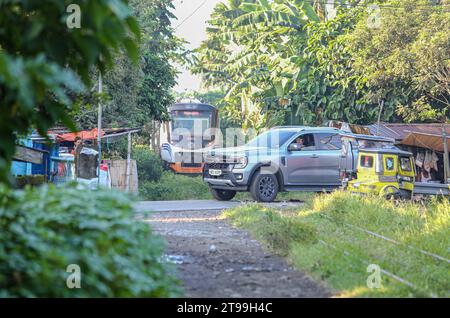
(405, 62)
(43, 61)
(286, 57)
(138, 94)
(248, 54)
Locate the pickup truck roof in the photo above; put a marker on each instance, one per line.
(301, 128)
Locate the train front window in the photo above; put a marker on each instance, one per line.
(194, 121)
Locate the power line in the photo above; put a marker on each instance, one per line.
(415, 7)
(190, 15)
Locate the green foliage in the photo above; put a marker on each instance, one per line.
(405, 62)
(46, 229)
(340, 251)
(43, 63)
(327, 86)
(284, 58)
(248, 54)
(421, 111)
(175, 187)
(149, 164)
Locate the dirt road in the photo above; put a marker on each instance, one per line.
(216, 260)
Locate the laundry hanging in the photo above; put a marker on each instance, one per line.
(427, 162)
(420, 157)
(434, 160)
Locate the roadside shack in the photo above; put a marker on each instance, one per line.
(429, 143)
(58, 160)
(83, 163)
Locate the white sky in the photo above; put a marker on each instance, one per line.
(193, 30)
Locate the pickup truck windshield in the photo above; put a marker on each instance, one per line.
(273, 139)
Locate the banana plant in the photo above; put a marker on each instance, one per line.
(251, 51)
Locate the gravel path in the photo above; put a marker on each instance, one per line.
(216, 260)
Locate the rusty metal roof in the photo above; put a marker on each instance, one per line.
(400, 131)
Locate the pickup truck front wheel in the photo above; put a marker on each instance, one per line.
(222, 195)
(264, 187)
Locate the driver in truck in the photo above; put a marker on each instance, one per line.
(300, 143)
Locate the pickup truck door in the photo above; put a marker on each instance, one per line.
(302, 167)
(349, 154)
(330, 159)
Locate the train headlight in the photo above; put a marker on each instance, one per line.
(241, 162)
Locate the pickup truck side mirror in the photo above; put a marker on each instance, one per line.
(294, 147)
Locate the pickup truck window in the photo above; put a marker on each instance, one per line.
(329, 141)
(304, 142)
(273, 139)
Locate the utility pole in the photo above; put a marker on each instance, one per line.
(379, 117)
(99, 126)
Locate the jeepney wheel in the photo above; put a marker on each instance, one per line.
(405, 194)
(390, 192)
(222, 195)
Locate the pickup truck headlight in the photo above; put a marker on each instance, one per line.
(241, 163)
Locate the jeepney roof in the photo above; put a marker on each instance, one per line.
(390, 150)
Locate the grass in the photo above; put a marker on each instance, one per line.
(322, 239)
(182, 187)
(174, 187)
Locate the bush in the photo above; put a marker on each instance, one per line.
(175, 187)
(43, 230)
(149, 164)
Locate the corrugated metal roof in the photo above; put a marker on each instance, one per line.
(400, 131)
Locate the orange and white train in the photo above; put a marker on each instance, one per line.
(187, 136)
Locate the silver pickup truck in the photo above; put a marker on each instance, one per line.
(281, 159)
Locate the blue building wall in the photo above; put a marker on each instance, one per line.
(24, 168)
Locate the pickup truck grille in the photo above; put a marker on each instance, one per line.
(225, 167)
(217, 165)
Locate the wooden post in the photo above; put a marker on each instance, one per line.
(127, 180)
(446, 161)
(99, 127)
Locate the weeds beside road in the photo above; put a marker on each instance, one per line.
(335, 237)
(173, 186)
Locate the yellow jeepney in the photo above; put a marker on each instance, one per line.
(387, 172)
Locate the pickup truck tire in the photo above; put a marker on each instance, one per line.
(222, 195)
(264, 187)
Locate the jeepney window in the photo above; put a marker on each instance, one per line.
(389, 163)
(366, 162)
(405, 163)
